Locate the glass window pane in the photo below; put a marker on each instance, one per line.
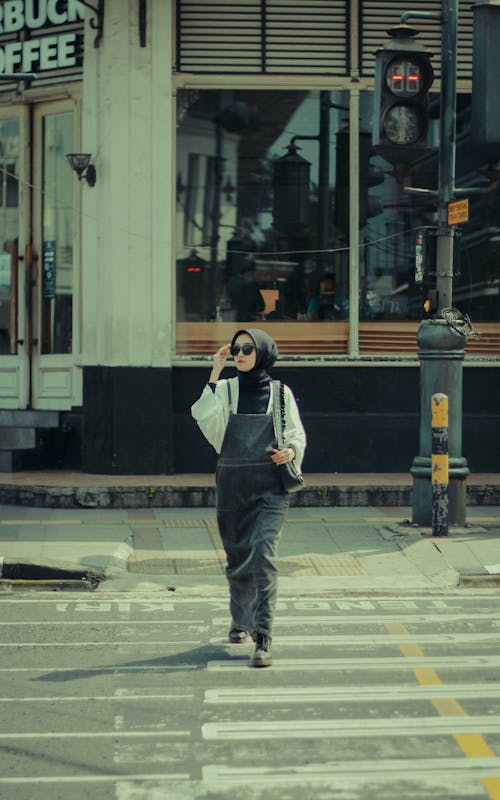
(9, 231)
(391, 303)
(57, 254)
(258, 236)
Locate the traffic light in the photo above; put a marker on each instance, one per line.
(425, 267)
(194, 283)
(431, 301)
(425, 255)
(403, 77)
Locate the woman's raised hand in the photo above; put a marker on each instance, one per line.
(220, 358)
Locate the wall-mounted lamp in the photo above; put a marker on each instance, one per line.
(80, 163)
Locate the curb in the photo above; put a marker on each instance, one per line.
(147, 496)
(115, 497)
(479, 581)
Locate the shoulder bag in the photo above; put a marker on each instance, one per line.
(290, 477)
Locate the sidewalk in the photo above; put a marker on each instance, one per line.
(64, 489)
(323, 550)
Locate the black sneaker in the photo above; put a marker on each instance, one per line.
(236, 635)
(262, 655)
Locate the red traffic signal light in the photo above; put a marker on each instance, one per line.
(403, 77)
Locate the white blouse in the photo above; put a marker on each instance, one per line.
(211, 412)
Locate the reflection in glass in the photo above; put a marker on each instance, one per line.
(251, 244)
(388, 237)
(9, 231)
(276, 247)
(57, 245)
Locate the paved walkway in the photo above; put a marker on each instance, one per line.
(322, 549)
(63, 489)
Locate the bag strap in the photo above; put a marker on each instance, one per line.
(278, 415)
(229, 396)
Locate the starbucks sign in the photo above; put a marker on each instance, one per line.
(42, 36)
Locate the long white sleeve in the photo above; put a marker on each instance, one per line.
(211, 412)
(294, 433)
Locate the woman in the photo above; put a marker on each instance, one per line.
(235, 416)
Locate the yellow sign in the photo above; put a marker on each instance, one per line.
(458, 211)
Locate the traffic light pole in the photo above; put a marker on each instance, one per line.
(441, 347)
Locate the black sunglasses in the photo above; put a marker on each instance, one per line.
(246, 349)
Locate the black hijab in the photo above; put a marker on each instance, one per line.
(255, 384)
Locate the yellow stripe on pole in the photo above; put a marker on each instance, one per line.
(439, 410)
(439, 468)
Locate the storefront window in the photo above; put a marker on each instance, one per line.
(263, 224)
(259, 239)
(57, 256)
(9, 229)
(390, 299)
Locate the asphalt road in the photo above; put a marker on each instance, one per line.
(138, 697)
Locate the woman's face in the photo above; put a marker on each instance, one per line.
(245, 363)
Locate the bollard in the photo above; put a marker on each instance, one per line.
(439, 465)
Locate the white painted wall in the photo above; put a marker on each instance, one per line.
(127, 248)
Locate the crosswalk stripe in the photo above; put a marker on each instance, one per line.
(334, 728)
(370, 619)
(341, 694)
(366, 639)
(95, 734)
(438, 771)
(350, 664)
(118, 778)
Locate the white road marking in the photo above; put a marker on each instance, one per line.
(117, 643)
(93, 734)
(370, 619)
(333, 694)
(57, 623)
(163, 776)
(100, 698)
(115, 670)
(334, 728)
(400, 662)
(139, 599)
(367, 639)
(442, 770)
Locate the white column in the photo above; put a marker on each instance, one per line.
(127, 262)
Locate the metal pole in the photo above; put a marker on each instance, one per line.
(354, 223)
(447, 150)
(441, 348)
(439, 464)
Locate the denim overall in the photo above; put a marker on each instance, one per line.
(251, 510)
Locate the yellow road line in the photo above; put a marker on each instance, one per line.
(448, 707)
(411, 650)
(492, 786)
(473, 745)
(396, 629)
(426, 676)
